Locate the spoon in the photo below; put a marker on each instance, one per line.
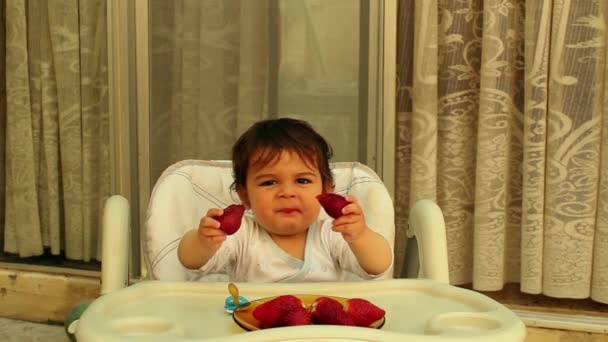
(234, 291)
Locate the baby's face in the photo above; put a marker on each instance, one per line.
(283, 194)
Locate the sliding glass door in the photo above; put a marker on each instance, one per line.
(197, 73)
(217, 66)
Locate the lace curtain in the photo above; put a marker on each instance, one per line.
(56, 140)
(501, 106)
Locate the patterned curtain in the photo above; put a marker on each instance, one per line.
(501, 105)
(57, 127)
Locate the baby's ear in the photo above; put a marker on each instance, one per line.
(243, 196)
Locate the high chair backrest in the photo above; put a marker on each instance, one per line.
(187, 189)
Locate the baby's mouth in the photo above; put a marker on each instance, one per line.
(288, 210)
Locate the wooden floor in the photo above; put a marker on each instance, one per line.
(20, 331)
(550, 335)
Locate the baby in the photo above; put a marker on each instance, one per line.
(280, 166)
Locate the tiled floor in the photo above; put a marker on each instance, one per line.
(21, 331)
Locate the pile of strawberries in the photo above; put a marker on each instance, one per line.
(289, 310)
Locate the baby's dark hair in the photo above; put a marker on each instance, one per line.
(273, 136)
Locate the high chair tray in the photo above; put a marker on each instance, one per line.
(416, 310)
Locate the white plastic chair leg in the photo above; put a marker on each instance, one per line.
(115, 244)
(427, 225)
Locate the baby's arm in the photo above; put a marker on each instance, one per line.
(371, 249)
(199, 245)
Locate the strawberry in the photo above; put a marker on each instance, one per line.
(363, 312)
(271, 313)
(332, 203)
(230, 220)
(329, 311)
(297, 316)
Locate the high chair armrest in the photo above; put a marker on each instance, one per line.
(115, 244)
(427, 225)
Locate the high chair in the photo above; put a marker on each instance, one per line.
(187, 189)
(176, 309)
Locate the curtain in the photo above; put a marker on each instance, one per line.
(218, 66)
(501, 109)
(2, 112)
(209, 62)
(57, 127)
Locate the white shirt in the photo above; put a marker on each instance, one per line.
(250, 255)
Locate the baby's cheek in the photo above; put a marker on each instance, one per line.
(316, 209)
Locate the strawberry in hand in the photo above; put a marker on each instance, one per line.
(347, 213)
(230, 220)
(332, 203)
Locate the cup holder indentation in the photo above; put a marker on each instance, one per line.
(462, 323)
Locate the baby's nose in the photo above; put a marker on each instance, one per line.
(287, 191)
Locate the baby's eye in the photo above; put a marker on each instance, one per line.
(268, 183)
(304, 181)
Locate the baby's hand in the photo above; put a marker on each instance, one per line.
(352, 222)
(209, 232)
